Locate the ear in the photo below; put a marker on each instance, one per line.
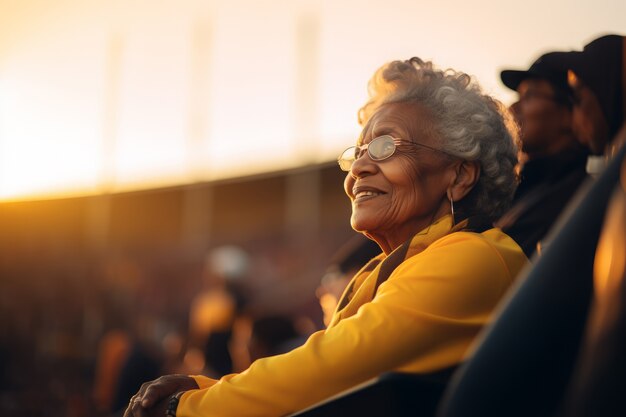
(467, 174)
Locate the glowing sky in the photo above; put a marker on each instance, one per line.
(107, 95)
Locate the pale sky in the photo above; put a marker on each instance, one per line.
(106, 95)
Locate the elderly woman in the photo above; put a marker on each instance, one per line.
(434, 165)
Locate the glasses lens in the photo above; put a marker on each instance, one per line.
(381, 148)
(346, 159)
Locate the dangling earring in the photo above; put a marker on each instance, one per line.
(451, 207)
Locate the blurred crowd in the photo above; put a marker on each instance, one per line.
(87, 338)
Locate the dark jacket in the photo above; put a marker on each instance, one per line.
(546, 186)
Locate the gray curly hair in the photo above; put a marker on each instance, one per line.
(471, 126)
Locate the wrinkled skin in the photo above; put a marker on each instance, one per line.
(153, 396)
(394, 199)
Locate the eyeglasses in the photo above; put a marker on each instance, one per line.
(378, 149)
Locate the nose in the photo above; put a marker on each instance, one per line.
(360, 168)
(363, 166)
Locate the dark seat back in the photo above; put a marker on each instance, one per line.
(597, 386)
(392, 394)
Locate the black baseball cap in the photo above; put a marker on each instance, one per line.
(599, 66)
(543, 68)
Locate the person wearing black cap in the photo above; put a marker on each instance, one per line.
(597, 75)
(555, 161)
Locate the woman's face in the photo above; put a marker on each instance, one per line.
(395, 198)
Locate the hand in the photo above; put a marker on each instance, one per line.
(135, 409)
(152, 398)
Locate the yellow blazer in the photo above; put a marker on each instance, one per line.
(421, 318)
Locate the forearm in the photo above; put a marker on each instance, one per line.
(357, 350)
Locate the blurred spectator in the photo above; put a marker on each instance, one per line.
(173, 346)
(255, 338)
(214, 309)
(597, 77)
(142, 363)
(554, 160)
(113, 351)
(350, 257)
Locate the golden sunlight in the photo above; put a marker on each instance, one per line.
(100, 98)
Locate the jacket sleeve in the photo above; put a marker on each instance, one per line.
(422, 319)
(204, 381)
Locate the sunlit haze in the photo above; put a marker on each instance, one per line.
(103, 96)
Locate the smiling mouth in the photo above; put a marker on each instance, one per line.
(362, 195)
